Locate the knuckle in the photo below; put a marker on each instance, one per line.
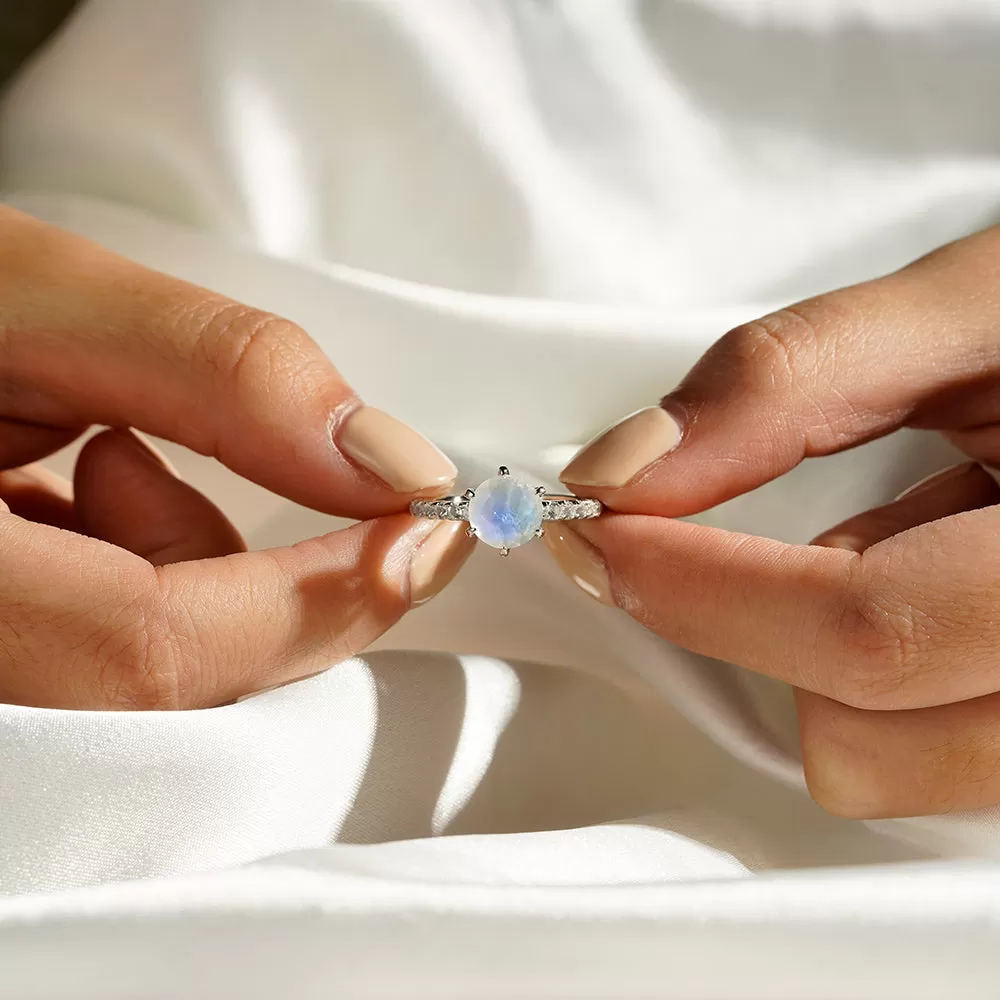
(250, 349)
(15, 634)
(884, 641)
(135, 659)
(118, 654)
(801, 353)
(784, 345)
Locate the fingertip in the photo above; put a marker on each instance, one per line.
(38, 494)
(839, 756)
(416, 557)
(128, 494)
(617, 455)
(437, 560)
(955, 490)
(22, 443)
(580, 561)
(395, 453)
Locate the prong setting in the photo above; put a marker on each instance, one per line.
(471, 531)
(469, 494)
(540, 491)
(504, 552)
(540, 532)
(503, 471)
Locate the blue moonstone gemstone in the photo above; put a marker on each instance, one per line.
(505, 512)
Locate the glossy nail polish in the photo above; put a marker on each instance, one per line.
(403, 459)
(579, 560)
(437, 560)
(620, 453)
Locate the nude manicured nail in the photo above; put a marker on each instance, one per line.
(624, 450)
(437, 559)
(403, 459)
(579, 560)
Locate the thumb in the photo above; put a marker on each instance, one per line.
(917, 347)
(89, 625)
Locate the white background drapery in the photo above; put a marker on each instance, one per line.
(518, 793)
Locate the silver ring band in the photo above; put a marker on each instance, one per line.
(554, 508)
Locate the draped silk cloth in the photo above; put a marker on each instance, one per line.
(508, 223)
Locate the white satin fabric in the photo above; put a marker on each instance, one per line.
(508, 223)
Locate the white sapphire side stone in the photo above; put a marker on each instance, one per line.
(505, 512)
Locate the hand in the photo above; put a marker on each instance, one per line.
(138, 592)
(889, 624)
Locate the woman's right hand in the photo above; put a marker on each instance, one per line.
(133, 590)
(888, 625)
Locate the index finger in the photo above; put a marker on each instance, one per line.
(918, 347)
(89, 337)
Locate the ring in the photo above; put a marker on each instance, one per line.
(505, 512)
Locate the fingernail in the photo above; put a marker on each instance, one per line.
(579, 560)
(438, 559)
(624, 450)
(936, 478)
(850, 542)
(403, 459)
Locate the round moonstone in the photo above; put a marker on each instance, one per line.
(505, 512)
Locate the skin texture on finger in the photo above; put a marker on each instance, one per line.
(906, 624)
(874, 765)
(86, 624)
(38, 494)
(73, 617)
(127, 495)
(918, 347)
(89, 337)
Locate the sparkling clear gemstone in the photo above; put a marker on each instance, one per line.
(505, 512)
